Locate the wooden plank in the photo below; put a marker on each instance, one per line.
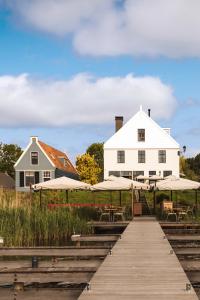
(123, 224)
(182, 231)
(58, 263)
(179, 225)
(28, 278)
(189, 265)
(141, 266)
(75, 252)
(187, 251)
(183, 238)
(49, 270)
(95, 238)
(41, 294)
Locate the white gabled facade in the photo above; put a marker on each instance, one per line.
(141, 146)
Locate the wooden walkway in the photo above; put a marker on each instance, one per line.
(142, 266)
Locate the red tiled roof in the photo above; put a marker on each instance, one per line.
(55, 155)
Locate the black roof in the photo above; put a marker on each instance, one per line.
(6, 181)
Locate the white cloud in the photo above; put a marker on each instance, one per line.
(80, 100)
(113, 27)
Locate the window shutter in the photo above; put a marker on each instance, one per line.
(21, 179)
(37, 177)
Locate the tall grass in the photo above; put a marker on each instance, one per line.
(39, 227)
(26, 220)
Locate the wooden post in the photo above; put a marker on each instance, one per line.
(111, 198)
(67, 196)
(132, 201)
(139, 196)
(154, 202)
(120, 198)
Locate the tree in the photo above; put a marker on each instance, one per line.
(96, 150)
(9, 154)
(182, 164)
(87, 168)
(187, 168)
(194, 164)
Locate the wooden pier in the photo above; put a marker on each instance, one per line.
(141, 265)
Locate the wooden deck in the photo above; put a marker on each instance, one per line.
(141, 266)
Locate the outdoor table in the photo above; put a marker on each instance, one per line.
(111, 210)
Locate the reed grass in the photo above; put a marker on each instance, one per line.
(27, 221)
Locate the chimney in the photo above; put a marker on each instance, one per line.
(149, 112)
(118, 122)
(34, 139)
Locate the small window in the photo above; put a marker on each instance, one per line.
(21, 179)
(66, 163)
(34, 158)
(46, 175)
(121, 157)
(167, 173)
(151, 173)
(162, 156)
(126, 174)
(141, 135)
(114, 173)
(29, 178)
(137, 173)
(141, 156)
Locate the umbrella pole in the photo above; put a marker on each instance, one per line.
(196, 202)
(67, 196)
(111, 198)
(171, 195)
(132, 201)
(120, 198)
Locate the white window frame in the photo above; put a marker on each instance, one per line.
(25, 172)
(139, 135)
(142, 162)
(37, 158)
(43, 175)
(159, 161)
(119, 157)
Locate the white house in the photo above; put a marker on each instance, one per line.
(141, 147)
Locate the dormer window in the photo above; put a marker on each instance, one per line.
(141, 135)
(34, 158)
(65, 162)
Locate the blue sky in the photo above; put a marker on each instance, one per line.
(67, 68)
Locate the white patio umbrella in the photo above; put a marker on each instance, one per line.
(172, 183)
(132, 184)
(110, 185)
(62, 183)
(120, 184)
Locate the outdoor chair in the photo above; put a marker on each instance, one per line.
(171, 216)
(104, 215)
(185, 214)
(120, 214)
